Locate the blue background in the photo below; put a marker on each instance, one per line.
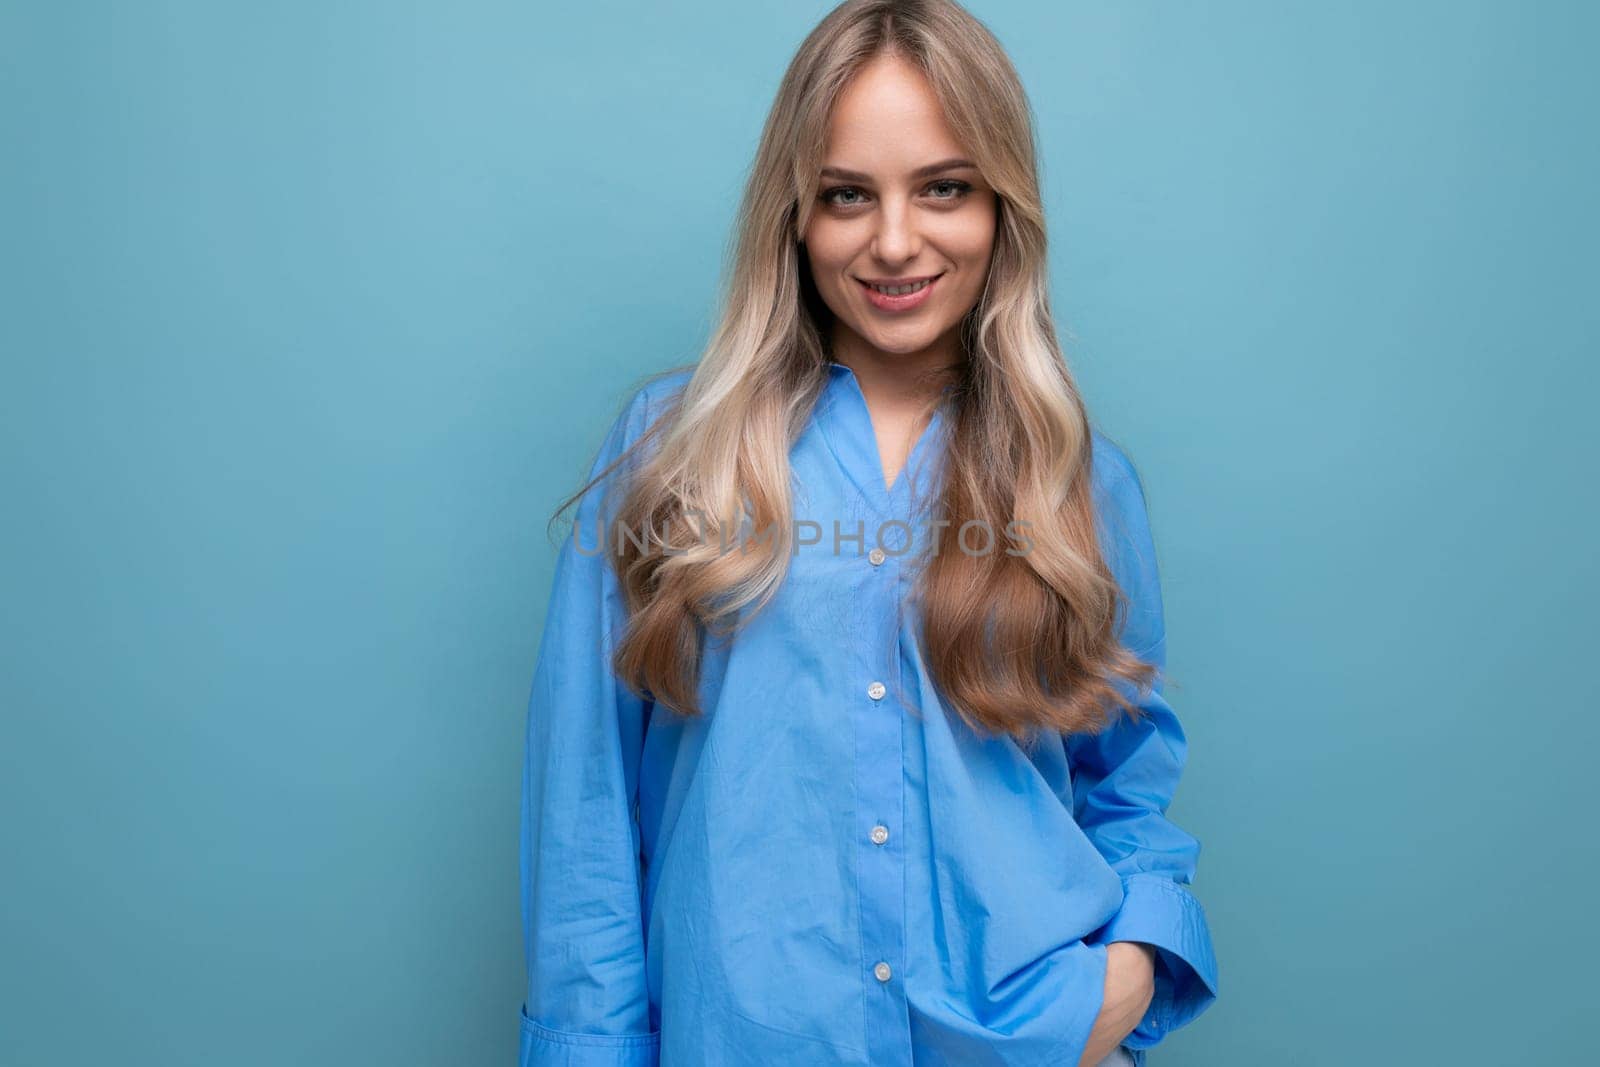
(313, 312)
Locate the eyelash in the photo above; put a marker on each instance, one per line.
(961, 190)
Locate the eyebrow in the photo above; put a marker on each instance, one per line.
(920, 172)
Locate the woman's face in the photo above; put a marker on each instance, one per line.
(897, 205)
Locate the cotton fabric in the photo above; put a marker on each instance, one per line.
(830, 866)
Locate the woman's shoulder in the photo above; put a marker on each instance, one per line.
(662, 387)
(1112, 468)
(646, 402)
(650, 400)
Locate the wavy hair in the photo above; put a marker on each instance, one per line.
(1015, 643)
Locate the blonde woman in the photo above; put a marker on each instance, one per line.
(847, 742)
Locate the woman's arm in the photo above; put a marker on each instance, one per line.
(587, 1001)
(1124, 779)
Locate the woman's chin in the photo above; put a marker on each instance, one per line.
(902, 342)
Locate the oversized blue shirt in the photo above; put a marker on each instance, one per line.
(829, 866)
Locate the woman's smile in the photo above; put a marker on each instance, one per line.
(892, 297)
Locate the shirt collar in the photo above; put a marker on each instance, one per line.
(847, 427)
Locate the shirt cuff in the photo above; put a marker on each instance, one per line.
(1160, 912)
(544, 1047)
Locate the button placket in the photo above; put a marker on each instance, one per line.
(880, 783)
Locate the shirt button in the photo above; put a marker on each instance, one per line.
(876, 690)
(882, 971)
(876, 556)
(880, 834)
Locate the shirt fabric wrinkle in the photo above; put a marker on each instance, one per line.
(816, 872)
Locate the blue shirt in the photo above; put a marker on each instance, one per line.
(828, 866)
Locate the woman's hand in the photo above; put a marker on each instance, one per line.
(1130, 986)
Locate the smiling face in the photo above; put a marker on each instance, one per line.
(899, 202)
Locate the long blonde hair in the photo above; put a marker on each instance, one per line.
(1015, 643)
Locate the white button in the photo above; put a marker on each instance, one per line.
(880, 834)
(876, 690)
(876, 556)
(882, 971)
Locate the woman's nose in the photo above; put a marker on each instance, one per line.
(896, 239)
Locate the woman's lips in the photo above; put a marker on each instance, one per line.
(885, 302)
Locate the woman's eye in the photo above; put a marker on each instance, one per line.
(850, 196)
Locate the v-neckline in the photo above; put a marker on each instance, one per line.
(848, 427)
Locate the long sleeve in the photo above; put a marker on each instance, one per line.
(1124, 779)
(587, 1001)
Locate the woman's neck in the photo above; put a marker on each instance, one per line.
(896, 381)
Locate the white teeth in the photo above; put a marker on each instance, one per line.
(902, 290)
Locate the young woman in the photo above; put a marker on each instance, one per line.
(847, 742)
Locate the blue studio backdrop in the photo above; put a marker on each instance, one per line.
(312, 313)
